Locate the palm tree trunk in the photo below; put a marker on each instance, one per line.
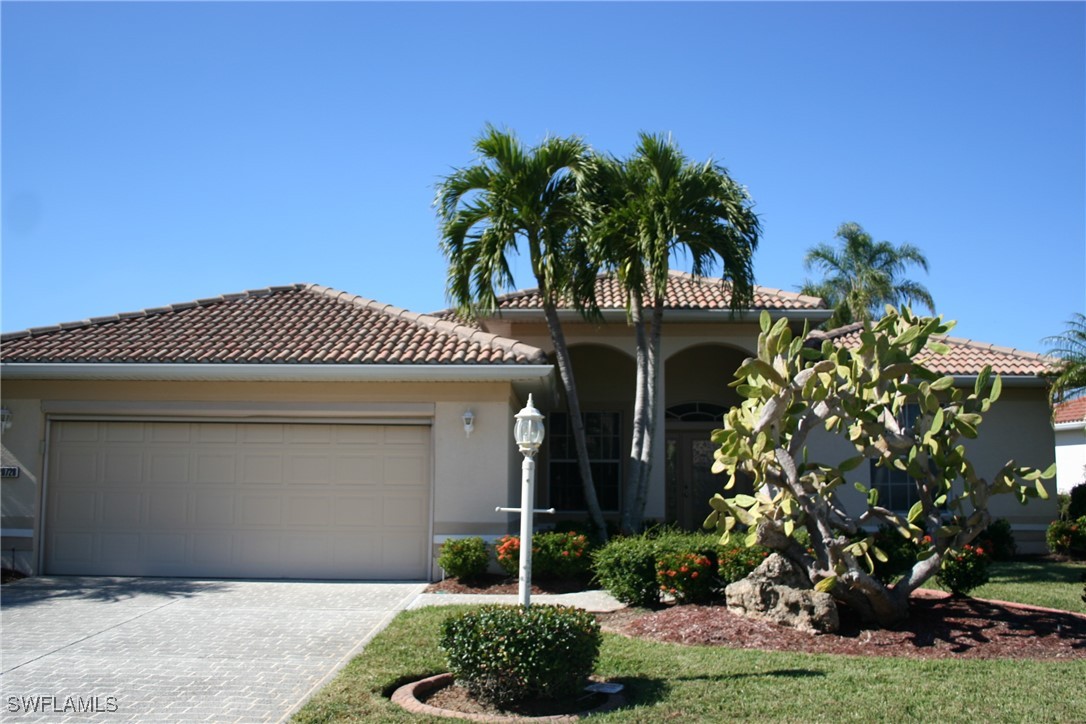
(652, 389)
(630, 522)
(576, 421)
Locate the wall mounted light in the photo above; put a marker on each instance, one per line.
(5, 418)
(469, 422)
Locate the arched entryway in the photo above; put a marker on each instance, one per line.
(697, 398)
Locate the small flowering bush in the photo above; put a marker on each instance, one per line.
(464, 558)
(1068, 537)
(998, 540)
(686, 576)
(964, 570)
(554, 555)
(735, 561)
(507, 551)
(626, 565)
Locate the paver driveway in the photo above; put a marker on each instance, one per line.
(160, 650)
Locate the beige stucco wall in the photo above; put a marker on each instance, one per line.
(471, 475)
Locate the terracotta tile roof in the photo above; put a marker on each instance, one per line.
(965, 357)
(296, 324)
(684, 291)
(1070, 411)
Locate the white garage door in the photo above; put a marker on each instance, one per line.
(260, 500)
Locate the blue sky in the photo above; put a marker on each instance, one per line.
(162, 152)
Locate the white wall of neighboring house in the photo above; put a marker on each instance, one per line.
(1070, 455)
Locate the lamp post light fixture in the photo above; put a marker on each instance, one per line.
(5, 418)
(469, 422)
(528, 433)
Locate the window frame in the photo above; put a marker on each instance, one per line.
(570, 458)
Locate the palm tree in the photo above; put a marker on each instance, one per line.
(515, 196)
(862, 276)
(641, 211)
(1068, 380)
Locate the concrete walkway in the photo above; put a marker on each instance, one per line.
(174, 650)
(595, 601)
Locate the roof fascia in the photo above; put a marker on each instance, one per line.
(273, 372)
(1008, 380)
(678, 315)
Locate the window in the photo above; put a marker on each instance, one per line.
(603, 435)
(897, 489)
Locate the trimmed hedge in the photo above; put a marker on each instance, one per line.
(505, 654)
(464, 558)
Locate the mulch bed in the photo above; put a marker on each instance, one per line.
(497, 583)
(939, 627)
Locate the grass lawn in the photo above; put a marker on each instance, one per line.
(694, 683)
(1036, 582)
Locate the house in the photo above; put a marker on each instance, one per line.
(303, 432)
(1069, 421)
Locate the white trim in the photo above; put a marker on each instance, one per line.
(1008, 380)
(16, 532)
(1062, 426)
(370, 412)
(460, 536)
(272, 372)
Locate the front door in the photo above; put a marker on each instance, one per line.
(690, 481)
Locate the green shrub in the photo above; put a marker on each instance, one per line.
(1076, 504)
(554, 555)
(964, 570)
(626, 566)
(998, 540)
(686, 576)
(1067, 537)
(736, 561)
(900, 554)
(464, 558)
(506, 654)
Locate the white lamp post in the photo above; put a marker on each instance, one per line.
(528, 432)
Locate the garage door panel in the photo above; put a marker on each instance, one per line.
(121, 509)
(308, 510)
(214, 509)
(247, 500)
(359, 435)
(261, 433)
(402, 511)
(260, 510)
(308, 469)
(216, 468)
(76, 432)
(358, 512)
(121, 547)
(123, 432)
(167, 509)
(213, 434)
(74, 547)
(264, 468)
(168, 468)
(77, 509)
(122, 466)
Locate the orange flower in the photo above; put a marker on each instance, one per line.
(694, 574)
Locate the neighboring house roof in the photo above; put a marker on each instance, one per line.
(299, 324)
(965, 357)
(1070, 411)
(684, 291)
